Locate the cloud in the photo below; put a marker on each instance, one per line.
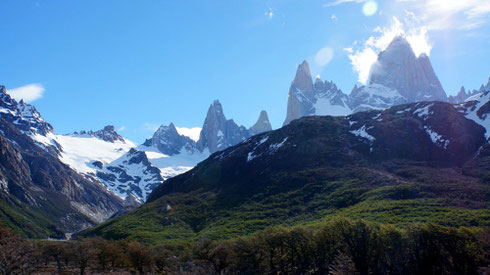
(122, 128)
(323, 56)
(28, 92)
(367, 53)
(333, 17)
(269, 13)
(443, 14)
(193, 133)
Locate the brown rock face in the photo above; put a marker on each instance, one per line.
(413, 77)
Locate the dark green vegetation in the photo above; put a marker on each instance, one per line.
(340, 246)
(316, 169)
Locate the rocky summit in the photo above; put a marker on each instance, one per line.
(168, 141)
(413, 77)
(218, 132)
(262, 124)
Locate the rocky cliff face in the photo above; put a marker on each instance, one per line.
(262, 124)
(413, 77)
(219, 133)
(37, 179)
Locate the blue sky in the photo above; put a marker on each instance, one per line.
(137, 64)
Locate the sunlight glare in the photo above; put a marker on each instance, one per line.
(370, 8)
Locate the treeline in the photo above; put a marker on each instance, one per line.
(340, 246)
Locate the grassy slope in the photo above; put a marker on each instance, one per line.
(404, 195)
(26, 220)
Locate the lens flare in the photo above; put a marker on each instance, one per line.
(370, 8)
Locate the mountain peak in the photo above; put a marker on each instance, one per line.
(108, 133)
(414, 78)
(399, 41)
(482, 88)
(168, 140)
(302, 81)
(262, 124)
(462, 91)
(219, 133)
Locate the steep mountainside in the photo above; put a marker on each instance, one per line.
(417, 162)
(43, 197)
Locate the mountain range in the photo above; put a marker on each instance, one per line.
(53, 184)
(415, 162)
(397, 77)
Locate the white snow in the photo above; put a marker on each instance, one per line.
(361, 132)
(171, 166)
(474, 97)
(324, 107)
(193, 133)
(422, 112)
(274, 147)
(485, 121)
(79, 151)
(251, 155)
(436, 138)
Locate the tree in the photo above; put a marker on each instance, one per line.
(342, 265)
(139, 256)
(14, 253)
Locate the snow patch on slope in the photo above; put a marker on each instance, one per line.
(323, 106)
(362, 132)
(193, 133)
(171, 166)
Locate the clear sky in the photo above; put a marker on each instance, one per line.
(138, 64)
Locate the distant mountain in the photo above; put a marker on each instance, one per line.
(219, 133)
(262, 125)
(174, 153)
(322, 98)
(463, 95)
(107, 134)
(417, 162)
(397, 77)
(168, 141)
